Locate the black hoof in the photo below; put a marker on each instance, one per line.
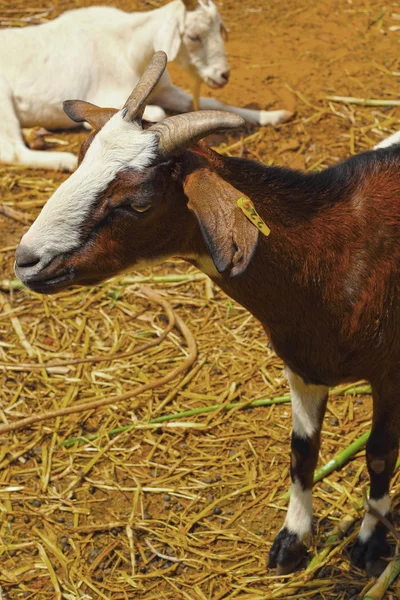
(369, 555)
(287, 552)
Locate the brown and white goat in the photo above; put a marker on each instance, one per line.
(324, 284)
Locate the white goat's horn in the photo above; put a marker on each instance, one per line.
(181, 131)
(136, 102)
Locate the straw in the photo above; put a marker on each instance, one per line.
(186, 507)
(363, 101)
(385, 580)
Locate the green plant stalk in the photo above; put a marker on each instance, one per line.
(363, 101)
(10, 284)
(361, 389)
(355, 390)
(385, 580)
(181, 415)
(341, 458)
(338, 460)
(333, 540)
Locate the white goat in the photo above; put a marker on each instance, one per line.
(98, 54)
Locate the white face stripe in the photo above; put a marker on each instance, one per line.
(306, 404)
(119, 144)
(299, 514)
(369, 521)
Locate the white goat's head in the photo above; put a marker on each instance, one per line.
(135, 198)
(194, 37)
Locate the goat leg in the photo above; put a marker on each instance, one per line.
(382, 448)
(308, 406)
(170, 97)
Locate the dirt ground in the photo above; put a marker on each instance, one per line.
(186, 511)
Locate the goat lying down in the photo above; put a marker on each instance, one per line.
(324, 284)
(98, 54)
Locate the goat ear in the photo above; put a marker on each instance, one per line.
(81, 111)
(168, 37)
(230, 237)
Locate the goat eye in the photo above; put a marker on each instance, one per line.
(139, 209)
(194, 38)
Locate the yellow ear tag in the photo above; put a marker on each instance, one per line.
(246, 205)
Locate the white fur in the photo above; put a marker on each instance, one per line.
(299, 514)
(392, 140)
(369, 521)
(118, 145)
(307, 401)
(97, 54)
(306, 404)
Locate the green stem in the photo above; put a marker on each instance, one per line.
(361, 389)
(339, 460)
(354, 390)
(333, 540)
(181, 415)
(10, 284)
(385, 580)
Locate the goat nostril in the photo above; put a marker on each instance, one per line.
(25, 257)
(225, 76)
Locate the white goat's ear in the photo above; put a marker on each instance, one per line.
(169, 36)
(230, 237)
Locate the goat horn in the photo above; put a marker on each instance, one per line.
(181, 131)
(136, 103)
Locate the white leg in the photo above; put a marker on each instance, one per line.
(173, 98)
(256, 117)
(369, 521)
(392, 140)
(12, 148)
(154, 113)
(299, 515)
(308, 408)
(371, 545)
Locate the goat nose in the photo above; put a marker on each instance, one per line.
(225, 76)
(26, 257)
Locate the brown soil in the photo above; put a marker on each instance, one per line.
(283, 55)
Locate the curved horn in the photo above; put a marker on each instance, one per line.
(181, 131)
(136, 102)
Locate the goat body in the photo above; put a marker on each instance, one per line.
(325, 286)
(98, 54)
(324, 283)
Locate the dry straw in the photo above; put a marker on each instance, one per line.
(159, 474)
